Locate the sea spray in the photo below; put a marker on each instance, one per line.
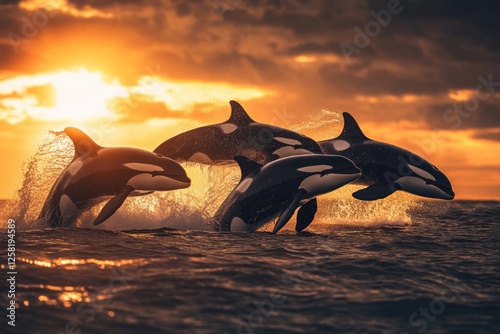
(40, 171)
(191, 208)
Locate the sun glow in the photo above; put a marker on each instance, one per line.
(83, 95)
(77, 96)
(184, 96)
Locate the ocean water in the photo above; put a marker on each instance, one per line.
(438, 273)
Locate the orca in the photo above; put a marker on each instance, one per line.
(278, 188)
(239, 135)
(97, 173)
(386, 168)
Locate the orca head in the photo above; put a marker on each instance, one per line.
(426, 180)
(157, 173)
(327, 173)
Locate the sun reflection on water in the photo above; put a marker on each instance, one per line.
(70, 263)
(67, 295)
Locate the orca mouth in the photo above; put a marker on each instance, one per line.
(425, 188)
(344, 170)
(176, 177)
(450, 193)
(447, 190)
(180, 178)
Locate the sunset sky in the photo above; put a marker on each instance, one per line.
(135, 73)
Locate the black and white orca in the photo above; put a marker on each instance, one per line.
(239, 135)
(97, 173)
(387, 168)
(279, 188)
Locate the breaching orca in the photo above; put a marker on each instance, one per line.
(279, 188)
(239, 135)
(387, 168)
(97, 173)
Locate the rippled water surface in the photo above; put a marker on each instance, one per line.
(438, 274)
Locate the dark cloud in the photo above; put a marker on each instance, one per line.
(430, 48)
(493, 136)
(459, 116)
(7, 54)
(109, 3)
(8, 3)
(482, 13)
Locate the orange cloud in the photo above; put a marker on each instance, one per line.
(65, 7)
(82, 95)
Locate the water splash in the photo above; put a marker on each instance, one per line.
(191, 208)
(322, 119)
(340, 208)
(40, 171)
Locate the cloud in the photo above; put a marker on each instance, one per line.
(291, 48)
(83, 95)
(464, 115)
(493, 135)
(63, 6)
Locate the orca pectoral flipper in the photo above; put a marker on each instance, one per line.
(113, 204)
(306, 213)
(374, 192)
(288, 212)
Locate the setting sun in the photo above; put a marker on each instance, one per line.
(77, 95)
(83, 95)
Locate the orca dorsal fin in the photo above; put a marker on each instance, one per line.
(247, 165)
(82, 142)
(238, 115)
(351, 132)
